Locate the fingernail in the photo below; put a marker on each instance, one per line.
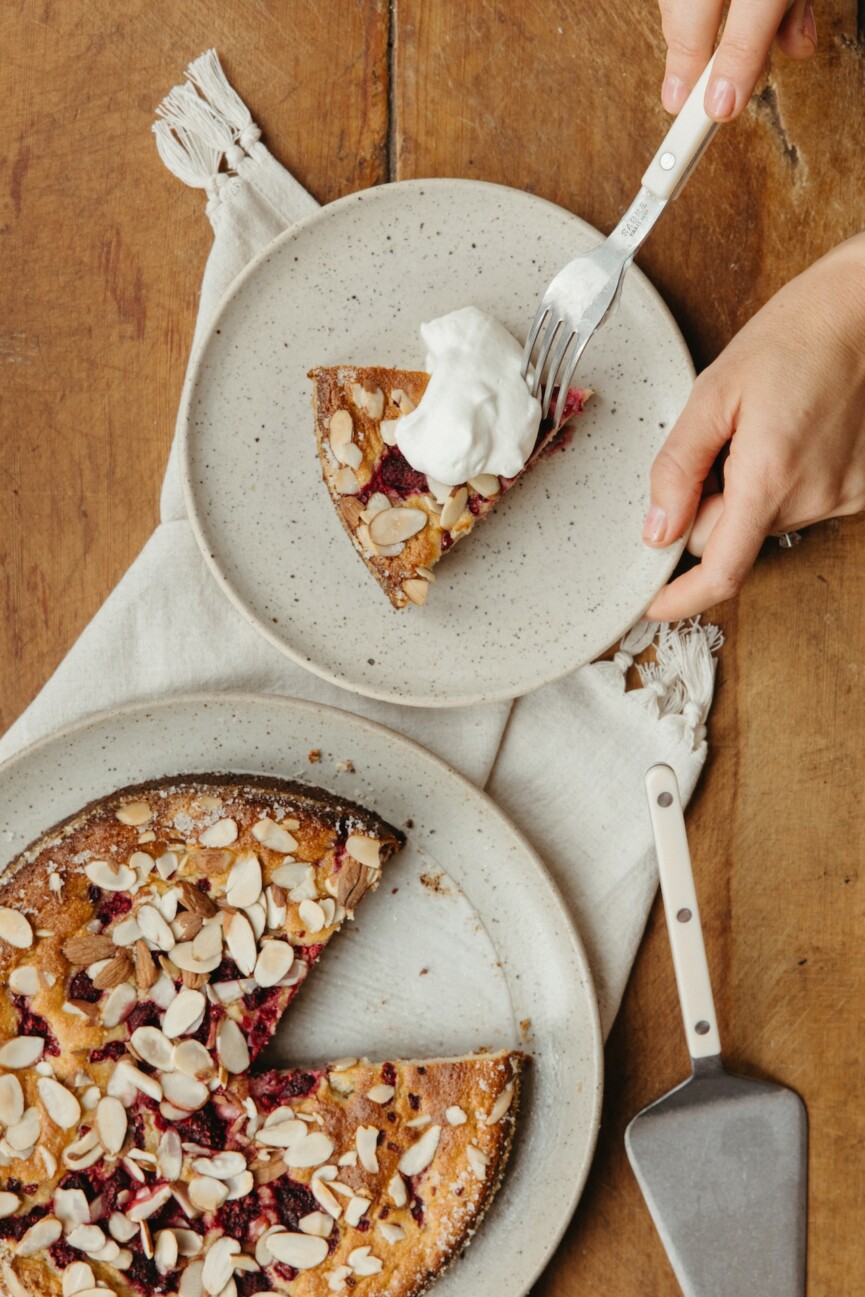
(721, 99)
(674, 92)
(809, 25)
(653, 527)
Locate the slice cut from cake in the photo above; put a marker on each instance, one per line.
(356, 1177)
(400, 521)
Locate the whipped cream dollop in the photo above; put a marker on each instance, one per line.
(477, 414)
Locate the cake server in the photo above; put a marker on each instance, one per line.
(721, 1160)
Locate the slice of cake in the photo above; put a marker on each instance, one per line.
(400, 521)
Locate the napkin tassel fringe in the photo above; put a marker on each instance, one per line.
(205, 131)
(681, 681)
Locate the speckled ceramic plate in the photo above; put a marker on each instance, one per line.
(554, 576)
(466, 944)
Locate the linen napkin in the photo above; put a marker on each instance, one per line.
(566, 762)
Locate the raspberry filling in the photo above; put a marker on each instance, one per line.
(82, 988)
(31, 1024)
(272, 1089)
(394, 476)
(108, 905)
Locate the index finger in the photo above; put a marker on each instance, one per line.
(727, 559)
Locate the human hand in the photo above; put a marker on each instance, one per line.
(690, 28)
(788, 394)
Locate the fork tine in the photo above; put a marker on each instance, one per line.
(565, 385)
(540, 316)
(547, 341)
(565, 340)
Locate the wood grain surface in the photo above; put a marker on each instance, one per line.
(102, 258)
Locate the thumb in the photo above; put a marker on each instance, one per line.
(684, 461)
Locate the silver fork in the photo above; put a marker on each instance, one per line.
(586, 292)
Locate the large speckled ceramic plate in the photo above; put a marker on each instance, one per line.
(554, 576)
(466, 944)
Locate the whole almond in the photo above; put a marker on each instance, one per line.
(88, 948)
(189, 924)
(117, 970)
(194, 981)
(196, 901)
(145, 969)
(350, 883)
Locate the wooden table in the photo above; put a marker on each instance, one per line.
(102, 258)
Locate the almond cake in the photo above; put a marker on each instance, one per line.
(400, 521)
(150, 946)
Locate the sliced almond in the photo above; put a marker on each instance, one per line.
(101, 873)
(87, 1238)
(387, 428)
(183, 956)
(363, 1262)
(366, 1140)
(184, 1015)
(311, 916)
(351, 455)
(351, 509)
(454, 509)
(440, 490)
(134, 813)
(207, 942)
(25, 980)
(148, 1202)
(165, 1251)
(240, 940)
(478, 1161)
(427, 573)
(455, 1116)
(281, 1134)
(219, 1264)
(364, 849)
(155, 928)
(381, 1093)
(392, 526)
(9, 1204)
(11, 1100)
(370, 401)
(77, 1278)
(418, 1157)
(243, 886)
(39, 1237)
(501, 1106)
(397, 1190)
(23, 1051)
(88, 948)
(117, 970)
(231, 1047)
(316, 1223)
(345, 481)
(169, 1156)
(13, 1283)
(145, 969)
(274, 961)
(486, 484)
(25, 1133)
(402, 401)
(111, 1123)
(300, 1251)
(191, 1057)
(15, 929)
(310, 1150)
(351, 883)
(291, 874)
(325, 1198)
(416, 589)
(340, 429)
(220, 834)
(60, 1104)
(274, 836)
(391, 1233)
(190, 1281)
(125, 934)
(356, 1209)
(154, 1046)
(184, 1091)
(197, 901)
(222, 1166)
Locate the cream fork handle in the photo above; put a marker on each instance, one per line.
(683, 144)
(682, 911)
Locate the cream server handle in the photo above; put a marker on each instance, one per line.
(683, 913)
(683, 144)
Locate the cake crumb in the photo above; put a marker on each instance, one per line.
(345, 767)
(313, 756)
